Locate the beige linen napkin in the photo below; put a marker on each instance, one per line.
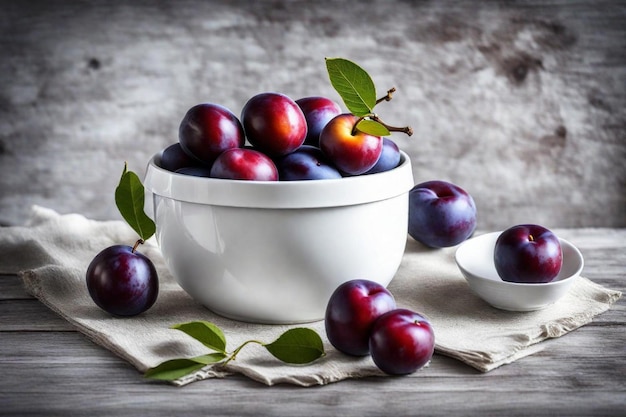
(52, 252)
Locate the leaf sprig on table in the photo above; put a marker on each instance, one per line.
(299, 345)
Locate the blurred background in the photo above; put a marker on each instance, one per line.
(521, 103)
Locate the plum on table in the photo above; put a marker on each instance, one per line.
(441, 214)
(122, 281)
(351, 311)
(401, 342)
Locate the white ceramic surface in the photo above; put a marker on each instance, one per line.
(474, 258)
(273, 252)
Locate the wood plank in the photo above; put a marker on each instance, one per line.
(12, 288)
(65, 362)
(30, 315)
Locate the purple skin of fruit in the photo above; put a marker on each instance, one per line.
(401, 342)
(122, 282)
(207, 130)
(318, 111)
(274, 123)
(389, 158)
(441, 214)
(528, 253)
(173, 157)
(351, 311)
(306, 163)
(353, 154)
(244, 164)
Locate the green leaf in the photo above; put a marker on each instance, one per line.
(173, 369)
(206, 333)
(210, 358)
(298, 346)
(372, 127)
(353, 84)
(129, 198)
(176, 368)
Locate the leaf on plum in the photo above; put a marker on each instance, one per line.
(129, 198)
(353, 84)
(372, 127)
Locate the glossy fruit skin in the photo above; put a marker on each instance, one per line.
(351, 311)
(122, 282)
(209, 129)
(318, 111)
(306, 163)
(352, 154)
(274, 123)
(518, 257)
(174, 157)
(244, 164)
(389, 158)
(441, 214)
(401, 342)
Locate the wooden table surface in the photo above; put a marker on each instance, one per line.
(48, 368)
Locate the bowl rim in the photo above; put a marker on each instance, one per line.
(563, 281)
(344, 191)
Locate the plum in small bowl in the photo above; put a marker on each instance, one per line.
(475, 260)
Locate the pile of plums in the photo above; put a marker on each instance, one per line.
(276, 138)
(362, 318)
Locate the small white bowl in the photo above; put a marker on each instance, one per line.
(474, 258)
(273, 252)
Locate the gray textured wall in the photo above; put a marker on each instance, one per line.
(521, 103)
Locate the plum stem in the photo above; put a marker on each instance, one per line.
(354, 129)
(137, 243)
(388, 96)
(531, 238)
(408, 130)
(233, 355)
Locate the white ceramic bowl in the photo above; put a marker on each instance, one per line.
(273, 252)
(474, 258)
